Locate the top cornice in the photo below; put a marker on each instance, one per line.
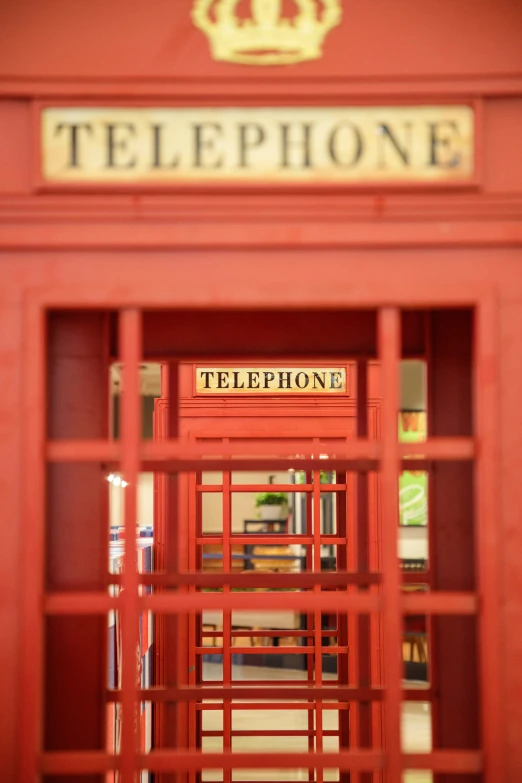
(290, 91)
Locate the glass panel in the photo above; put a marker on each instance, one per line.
(211, 514)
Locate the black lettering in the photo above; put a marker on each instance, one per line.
(284, 377)
(236, 381)
(201, 144)
(248, 142)
(319, 380)
(384, 134)
(251, 384)
(304, 144)
(269, 377)
(75, 128)
(206, 376)
(306, 378)
(222, 380)
(115, 145)
(439, 142)
(335, 380)
(157, 157)
(333, 145)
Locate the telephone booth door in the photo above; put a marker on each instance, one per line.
(310, 547)
(350, 725)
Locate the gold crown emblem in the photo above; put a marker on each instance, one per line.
(266, 37)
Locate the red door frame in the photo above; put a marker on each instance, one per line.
(304, 417)
(441, 448)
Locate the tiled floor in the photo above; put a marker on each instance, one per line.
(416, 729)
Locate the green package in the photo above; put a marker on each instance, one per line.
(413, 485)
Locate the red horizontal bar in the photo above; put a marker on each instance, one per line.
(420, 578)
(271, 488)
(418, 694)
(440, 603)
(96, 450)
(164, 761)
(333, 488)
(259, 684)
(447, 449)
(268, 691)
(301, 601)
(424, 694)
(84, 450)
(248, 632)
(79, 603)
(274, 705)
(176, 455)
(271, 733)
(445, 603)
(258, 464)
(301, 579)
(271, 650)
(457, 761)
(272, 539)
(90, 762)
(272, 447)
(71, 762)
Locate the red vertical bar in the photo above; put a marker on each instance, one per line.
(347, 624)
(363, 639)
(131, 433)
(181, 505)
(309, 619)
(456, 713)
(389, 348)
(376, 629)
(376, 624)
(32, 663)
(318, 636)
(432, 548)
(487, 400)
(76, 542)
(191, 620)
(160, 518)
(196, 557)
(175, 638)
(227, 617)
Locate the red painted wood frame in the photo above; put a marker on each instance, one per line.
(298, 420)
(174, 456)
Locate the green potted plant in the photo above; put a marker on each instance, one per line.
(271, 504)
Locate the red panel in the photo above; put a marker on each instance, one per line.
(403, 41)
(503, 156)
(452, 557)
(510, 467)
(10, 572)
(77, 555)
(15, 131)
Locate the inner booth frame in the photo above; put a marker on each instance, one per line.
(385, 454)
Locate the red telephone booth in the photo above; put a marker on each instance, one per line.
(218, 186)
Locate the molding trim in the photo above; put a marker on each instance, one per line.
(275, 234)
(251, 87)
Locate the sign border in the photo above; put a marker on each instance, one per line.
(42, 185)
